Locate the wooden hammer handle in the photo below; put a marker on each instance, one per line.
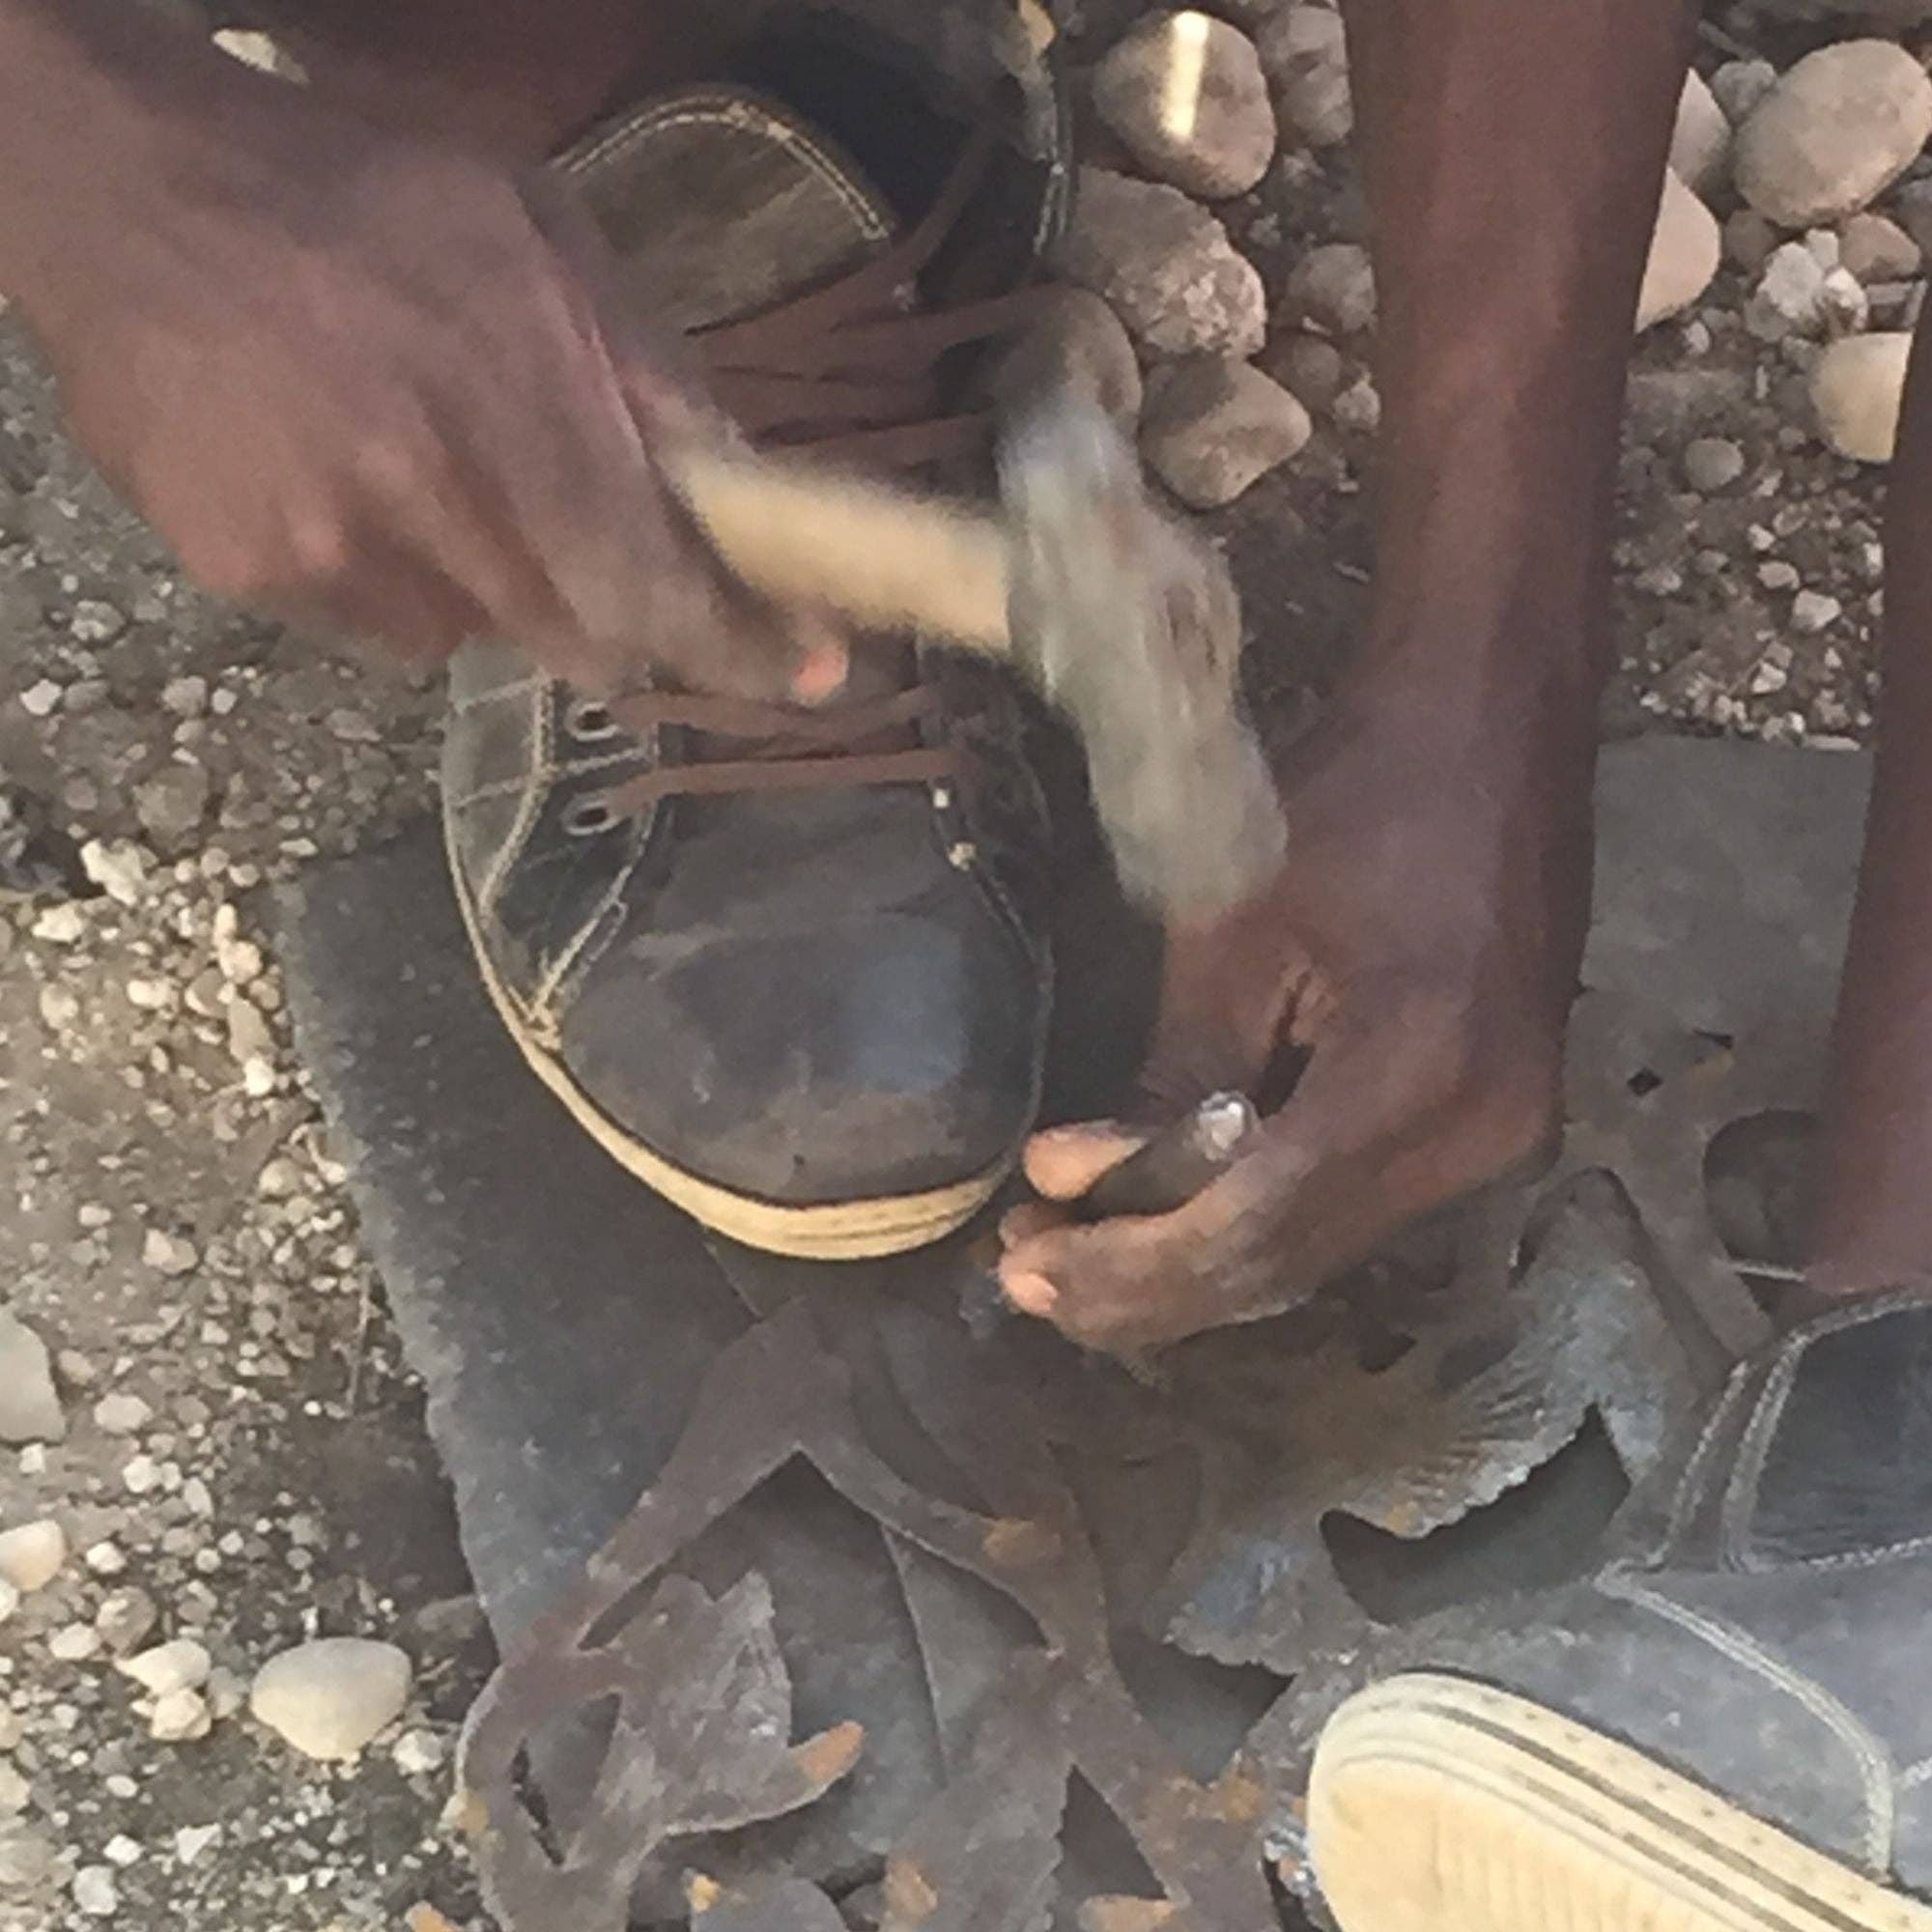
(878, 557)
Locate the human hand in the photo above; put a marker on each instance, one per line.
(1418, 952)
(369, 382)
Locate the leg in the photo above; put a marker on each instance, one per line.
(1876, 1225)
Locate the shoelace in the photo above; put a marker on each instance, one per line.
(848, 370)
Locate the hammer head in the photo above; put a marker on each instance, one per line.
(1132, 627)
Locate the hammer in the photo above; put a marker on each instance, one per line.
(1123, 620)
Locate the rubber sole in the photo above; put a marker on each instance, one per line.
(842, 1231)
(1441, 1806)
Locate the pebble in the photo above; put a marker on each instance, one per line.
(14, 1791)
(1187, 96)
(121, 1414)
(258, 50)
(1739, 85)
(1857, 388)
(61, 925)
(75, 1643)
(125, 1619)
(1333, 288)
(1166, 266)
(329, 1697)
(1081, 346)
(1701, 143)
(192, 1840)
(1359, 407)
(172, 804)
(419, 1753)
(248, 1034)
(1304, 50)
(60, 1007)
(10, 1600)
(182, 1664)
(1713, 463)
(185, 697)
(121, 1850)
(30, 1407)
(1813, 611)
(33, 1555)
(119, 869)
(94, 1891)
(181, 1717)
(1309, 367)
(1684, 255)
(1749, 240)
(1799, 294)
(1875, 249)
(42, 699)
(170, 1255)
(1215, 427)
(95, 622)
(1832, 134)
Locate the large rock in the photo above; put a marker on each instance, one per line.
(1834, 133)
(1214, 428)
(1166, 266)
(1701, 143)
(330, 1697)
(1187, 96)
(1857, 388)
(30, 1408)
(1305, 53)
(32, 1555)
(1684, 254)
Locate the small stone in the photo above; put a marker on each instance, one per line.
(419, 1753)
(1749, 240)
(1310, 367)
(105, 1559)
(1739, 85)
(248, 1034)
(30, 1407)
(1304, 52)
(240, 959)
(1875, 249)
(1856, 389)
(125, 1619)
(172, 804)
(94, 1891)
(1215, 427)
(15, 1791)
(1166, 266)
(182, 1664)
(60, 1007)
(1790, 297)
(262, 51)
(1685, 249)
(1777, 574)
(42, 699)
(1079, 347)
(75, 1643)
(192, 1840)
(185, 697)
(1187, 96)
(1834, 133)
(181, 1717)
(1358, 408)
(10, 1600)
(96, 622)
(27, 1858)
(1713, 463)
(329, 1697)
(1333, 288)
(61, 925)
(121, 1414)
(32, 1555)
(170, 1255)
(1813, 611)
(120, 869)
(1701, 143)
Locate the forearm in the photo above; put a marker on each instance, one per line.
(1514, 155)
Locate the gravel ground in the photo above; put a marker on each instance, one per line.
(238, 1457)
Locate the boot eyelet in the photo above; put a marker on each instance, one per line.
(590, 720)
(590, 818)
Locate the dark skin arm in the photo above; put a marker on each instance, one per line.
(357, 377)
(1423, 942)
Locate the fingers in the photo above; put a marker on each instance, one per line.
(1064, 1163)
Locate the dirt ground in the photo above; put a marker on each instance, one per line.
(176, 1230)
